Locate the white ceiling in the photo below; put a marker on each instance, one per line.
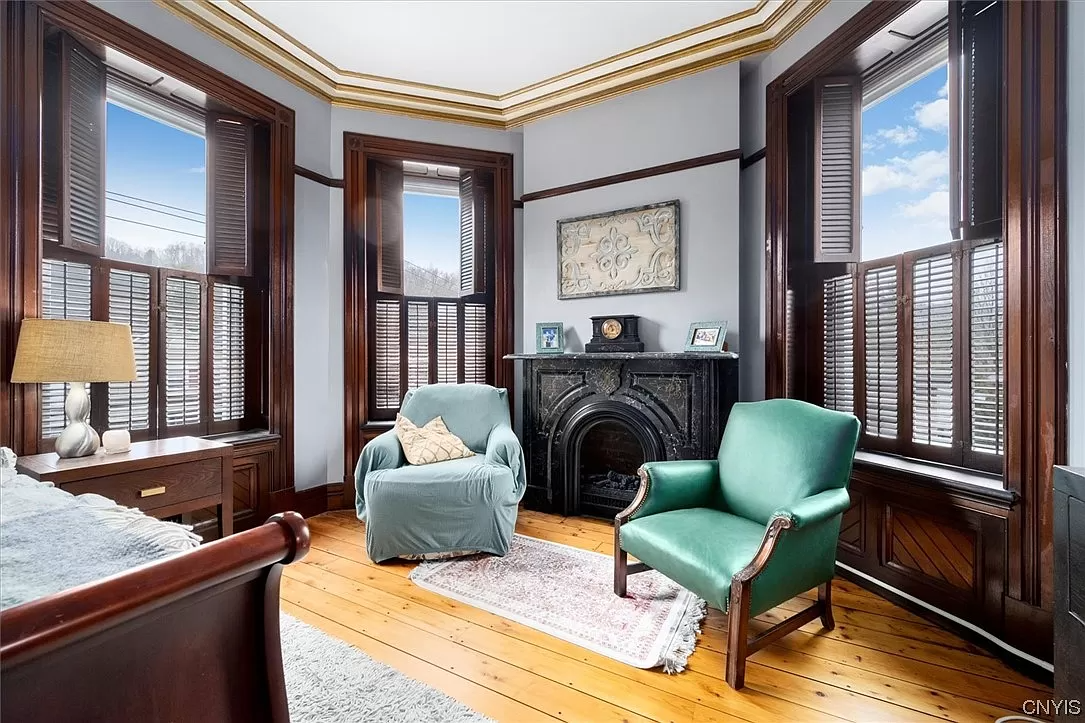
(499, 64)
(483, 47)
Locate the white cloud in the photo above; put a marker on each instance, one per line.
(899, 135)
(196, 169)
(932, 208)
(943, 92)
(933, 116)
(916, 173)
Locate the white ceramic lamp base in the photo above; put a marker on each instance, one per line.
(78, 439)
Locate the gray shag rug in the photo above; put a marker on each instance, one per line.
(330, 681)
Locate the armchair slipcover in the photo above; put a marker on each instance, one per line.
(752, 528)
(461, 504)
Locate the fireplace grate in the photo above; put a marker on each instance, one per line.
(606, 495)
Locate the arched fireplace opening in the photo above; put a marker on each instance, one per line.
(610, 454)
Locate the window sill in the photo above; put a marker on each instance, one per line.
(967, 483)
(245, 436)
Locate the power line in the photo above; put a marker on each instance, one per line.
(156, 203)
(160, 228)
(155, 210)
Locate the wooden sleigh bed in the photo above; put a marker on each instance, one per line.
(194, 637)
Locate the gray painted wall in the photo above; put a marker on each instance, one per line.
(688, 117)
(1075, 151)
(756, 77)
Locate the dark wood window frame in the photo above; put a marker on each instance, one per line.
(23, 25)
(360, 423)
(1016, 585)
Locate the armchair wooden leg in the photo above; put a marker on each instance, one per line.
(825, 600)
(738, 618)
(621, 571)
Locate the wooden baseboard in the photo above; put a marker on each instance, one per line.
(335, 495)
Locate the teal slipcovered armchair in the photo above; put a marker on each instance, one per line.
(752, 528)
(460, 505)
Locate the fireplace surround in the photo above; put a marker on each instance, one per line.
(589, 420)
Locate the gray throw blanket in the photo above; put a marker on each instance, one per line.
(51, 540)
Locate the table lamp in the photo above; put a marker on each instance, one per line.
(76, 352)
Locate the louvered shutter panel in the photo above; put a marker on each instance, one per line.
(975, 92)
(880, 326)
(227, 352)
(130, 303)
(789, 341)
(468, 280)
(65, 294)
(388, 190)
(838, 103)
(933, 351)
(839, 343)
(386, 391)
(229, 192)
(73, 146)
(417, 344)
(448, 342)
(182, 351)
(474, 344)
(987, 366)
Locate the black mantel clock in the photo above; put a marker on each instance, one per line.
(614, 333)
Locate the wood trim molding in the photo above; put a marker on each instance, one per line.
(636, 175)
(358, 149)
(751, 159)
(20, 253)
(1017, 587)
(318, 177)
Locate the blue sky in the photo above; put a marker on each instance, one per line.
(156, 164)
(431, 231)
(905, 164)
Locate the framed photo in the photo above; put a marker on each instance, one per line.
(706, 336)
(549, 337)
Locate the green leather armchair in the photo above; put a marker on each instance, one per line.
(752, 528)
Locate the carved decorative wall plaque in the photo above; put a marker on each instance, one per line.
(631, 251)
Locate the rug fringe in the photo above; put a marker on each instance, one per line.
(685, 639)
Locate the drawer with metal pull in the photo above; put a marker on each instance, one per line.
(156, 488)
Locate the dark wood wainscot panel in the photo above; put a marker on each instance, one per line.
(940, 542)
(254, 462)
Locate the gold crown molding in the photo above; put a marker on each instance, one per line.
(316, 75)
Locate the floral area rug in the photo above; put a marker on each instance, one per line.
(568, 593)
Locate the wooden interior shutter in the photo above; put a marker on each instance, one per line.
(837, 132)
(448, 342)
(975, 118)
(386, 360)
(475, 343)
(227, 352)
(65, 294)
(386, 202)
(182, 323)
(987, 365)
(839, 343)
(73, 145)
(933, 344)
(880, 351)
(418, 361)
(229, 195)
(473, 224)
(131, 302)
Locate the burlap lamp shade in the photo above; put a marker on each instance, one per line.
(59, 350)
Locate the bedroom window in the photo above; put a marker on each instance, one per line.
(908, 244)
(147, 201)
(431, 290)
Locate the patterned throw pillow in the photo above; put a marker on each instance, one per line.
(430, 443)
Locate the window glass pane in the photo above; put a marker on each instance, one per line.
(431, 244)
(130, 303)
(228, 353)
(905, 161)
(182, 351)
(65, 294)
(156, 192)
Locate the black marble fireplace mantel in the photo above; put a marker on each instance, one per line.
(674, 405)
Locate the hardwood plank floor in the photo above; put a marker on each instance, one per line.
(881, 663)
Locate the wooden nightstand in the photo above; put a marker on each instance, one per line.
(162, 477)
